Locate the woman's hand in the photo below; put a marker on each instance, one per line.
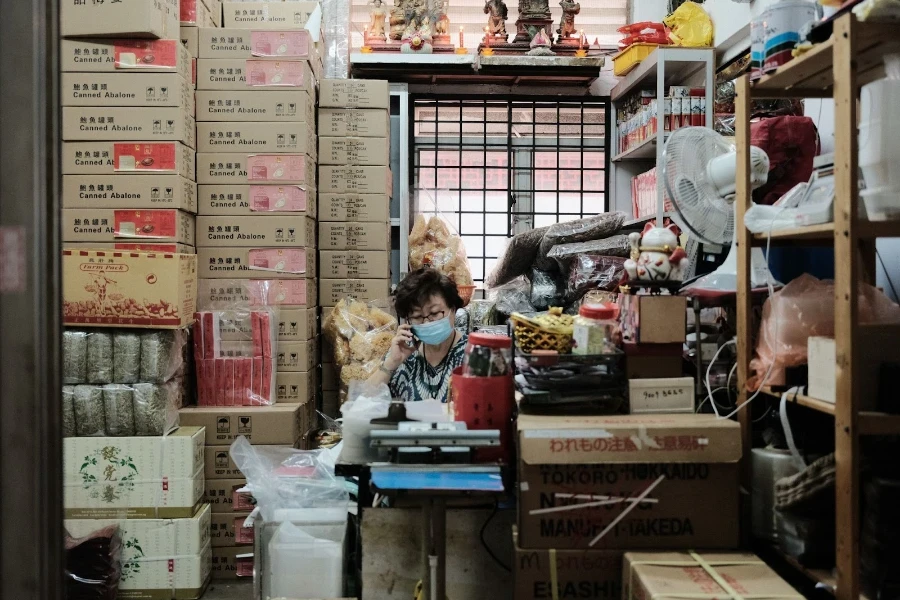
(402, 347)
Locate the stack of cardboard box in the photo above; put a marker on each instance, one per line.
(194, 15)
(354, 200)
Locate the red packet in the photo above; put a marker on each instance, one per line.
(256, 331)
(243, 501)
(221, 383)
(200, 367)
(256, 387)
(197, 328)
(242, 535)
(245, 368)
(210, 334)
(265, 332)
(266, 387)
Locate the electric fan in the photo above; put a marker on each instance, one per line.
(699, 168)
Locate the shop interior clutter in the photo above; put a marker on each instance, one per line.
(273, 236)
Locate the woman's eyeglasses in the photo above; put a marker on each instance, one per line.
(435, 316)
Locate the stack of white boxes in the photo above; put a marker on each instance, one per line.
(354, 201)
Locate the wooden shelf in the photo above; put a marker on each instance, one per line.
(879, 229)
(803, 400)
(646, 150)
(870, 422)
(824, 232)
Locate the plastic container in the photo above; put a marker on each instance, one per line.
(626, 60)
(488, 355)
(485, 403)
(594, 330)
(879, 151)
(783, 22)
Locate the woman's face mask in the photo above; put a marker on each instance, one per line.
(434, 333)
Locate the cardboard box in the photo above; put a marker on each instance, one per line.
(136, 19)
(654, 319)
(593, 574)
(355, 93)
(168, 124)
(691, 575)
(256, 232)
(360, 180)
(232, 563)
(223, 497)
(297, 356)
(355, 208)
(240, 74)
(876, 347)
(661, 395)
(109, 225)
(354, 151)
(300, 386)
(293, 137)
(288, 105)
(260, 169)
(129, 191)
(267, 15)
(111, 288)
(357, 265)
(297, 324)
(646, 361)
(277, 425)
(133, 247)
(126, 56)
(257, 200)
(331, 378)
(128, 158)
(126, 89)
(354, 236)
(196, 13)
(237, 263)
(665, 468)
(219, 464)
(294, 293)
(332, 291)
(354, 122)
(97, 485)
(190, 37)
(178, 576)
(294, 44)
(227, 530)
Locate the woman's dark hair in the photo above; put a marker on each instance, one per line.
(417, 287)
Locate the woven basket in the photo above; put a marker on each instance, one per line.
(531, 336)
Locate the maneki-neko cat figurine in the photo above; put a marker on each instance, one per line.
(656, 255)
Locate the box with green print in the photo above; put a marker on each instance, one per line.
(134, 477)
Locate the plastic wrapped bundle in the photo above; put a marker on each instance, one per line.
(118, 405)
(74, 356)
(337, 29)
(513, 297)
(90, 415)
(594, 272)
(432, 245)
(161, 354)
(518, 257)
(68, 410)
(545, 290)
(94, 565)
(616, 245)
(156, 408)
(582, 230)
(100, 358)
(126, 357)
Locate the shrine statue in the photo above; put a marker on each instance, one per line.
(442, 27)
(377, 13)
(567, 23)
(530, 9)
(498, 13)
(398, 18)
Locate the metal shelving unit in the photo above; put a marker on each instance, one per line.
(836, 68)
(665, 67)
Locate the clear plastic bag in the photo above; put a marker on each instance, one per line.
(120, 410)
(360, 335)
(512, 297)
(366, 402)
(546, 290)
(564, 254)
(431, 244)
(594, 272)
(582, 230)
(94, 565)
(235, 356)
(518, 257)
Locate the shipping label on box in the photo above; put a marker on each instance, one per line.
(333, 291)
(274, 425)
(121, 477)
(129, 158)
(375, 264)
(129, 191)
(236, 263)
(223, 497)
(190, 37)
(134, 19)
(354, 151)
(287, 105)
(127, 89)
(294, 44)
(195, 13)
(360, 180)
(261, 169)
(355, 93)
(132, 289)
(299, 386)
(354, 122)
(232, 563)
(354, 236)
(86, 123)
(297, 356)
(240, 74)
(256, 232)
(298, 293)
(267, 15)
(294, 137)
(227, 530)
(355, 208)
(126, 56)
(219, 464)
(258, 200)
(109, 225)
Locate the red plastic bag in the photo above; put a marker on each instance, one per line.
(792, 144)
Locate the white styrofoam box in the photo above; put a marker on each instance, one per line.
(822, 357)
(663, 395)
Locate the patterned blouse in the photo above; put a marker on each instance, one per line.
(417, 380)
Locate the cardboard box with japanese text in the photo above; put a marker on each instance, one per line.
(127, 89)
(292, 44)
(293, 293)
(129, 191)
(239, 74)
(128, 158)
(298, 356)
(126, 56)
(255, 232)
(225, 136)
(257, 200)
(223, 496)
(277, 425)
(275, 106)
(227, 530)
(132, 19)
(237, 262)
(267, 15)
(190, 37)
(168, 124)
(258, 169)
(139, 225)
(232, 563)
(299, 386)
(219, 464)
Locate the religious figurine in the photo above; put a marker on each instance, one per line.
(377, 13)
(567, 22)
(529, 9)
(442, 27)
(417, 42)
(540, 44)
(655, 255)
(398, 19)
(497, 15)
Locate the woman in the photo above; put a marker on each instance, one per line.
(427, 347)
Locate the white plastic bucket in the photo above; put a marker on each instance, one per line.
(757, 45)
(783, 22)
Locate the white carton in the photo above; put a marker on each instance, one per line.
(661, 395)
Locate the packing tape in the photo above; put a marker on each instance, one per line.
(554, 577)
(709, 567)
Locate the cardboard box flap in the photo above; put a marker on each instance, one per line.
(628, 439)
(706, 575)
